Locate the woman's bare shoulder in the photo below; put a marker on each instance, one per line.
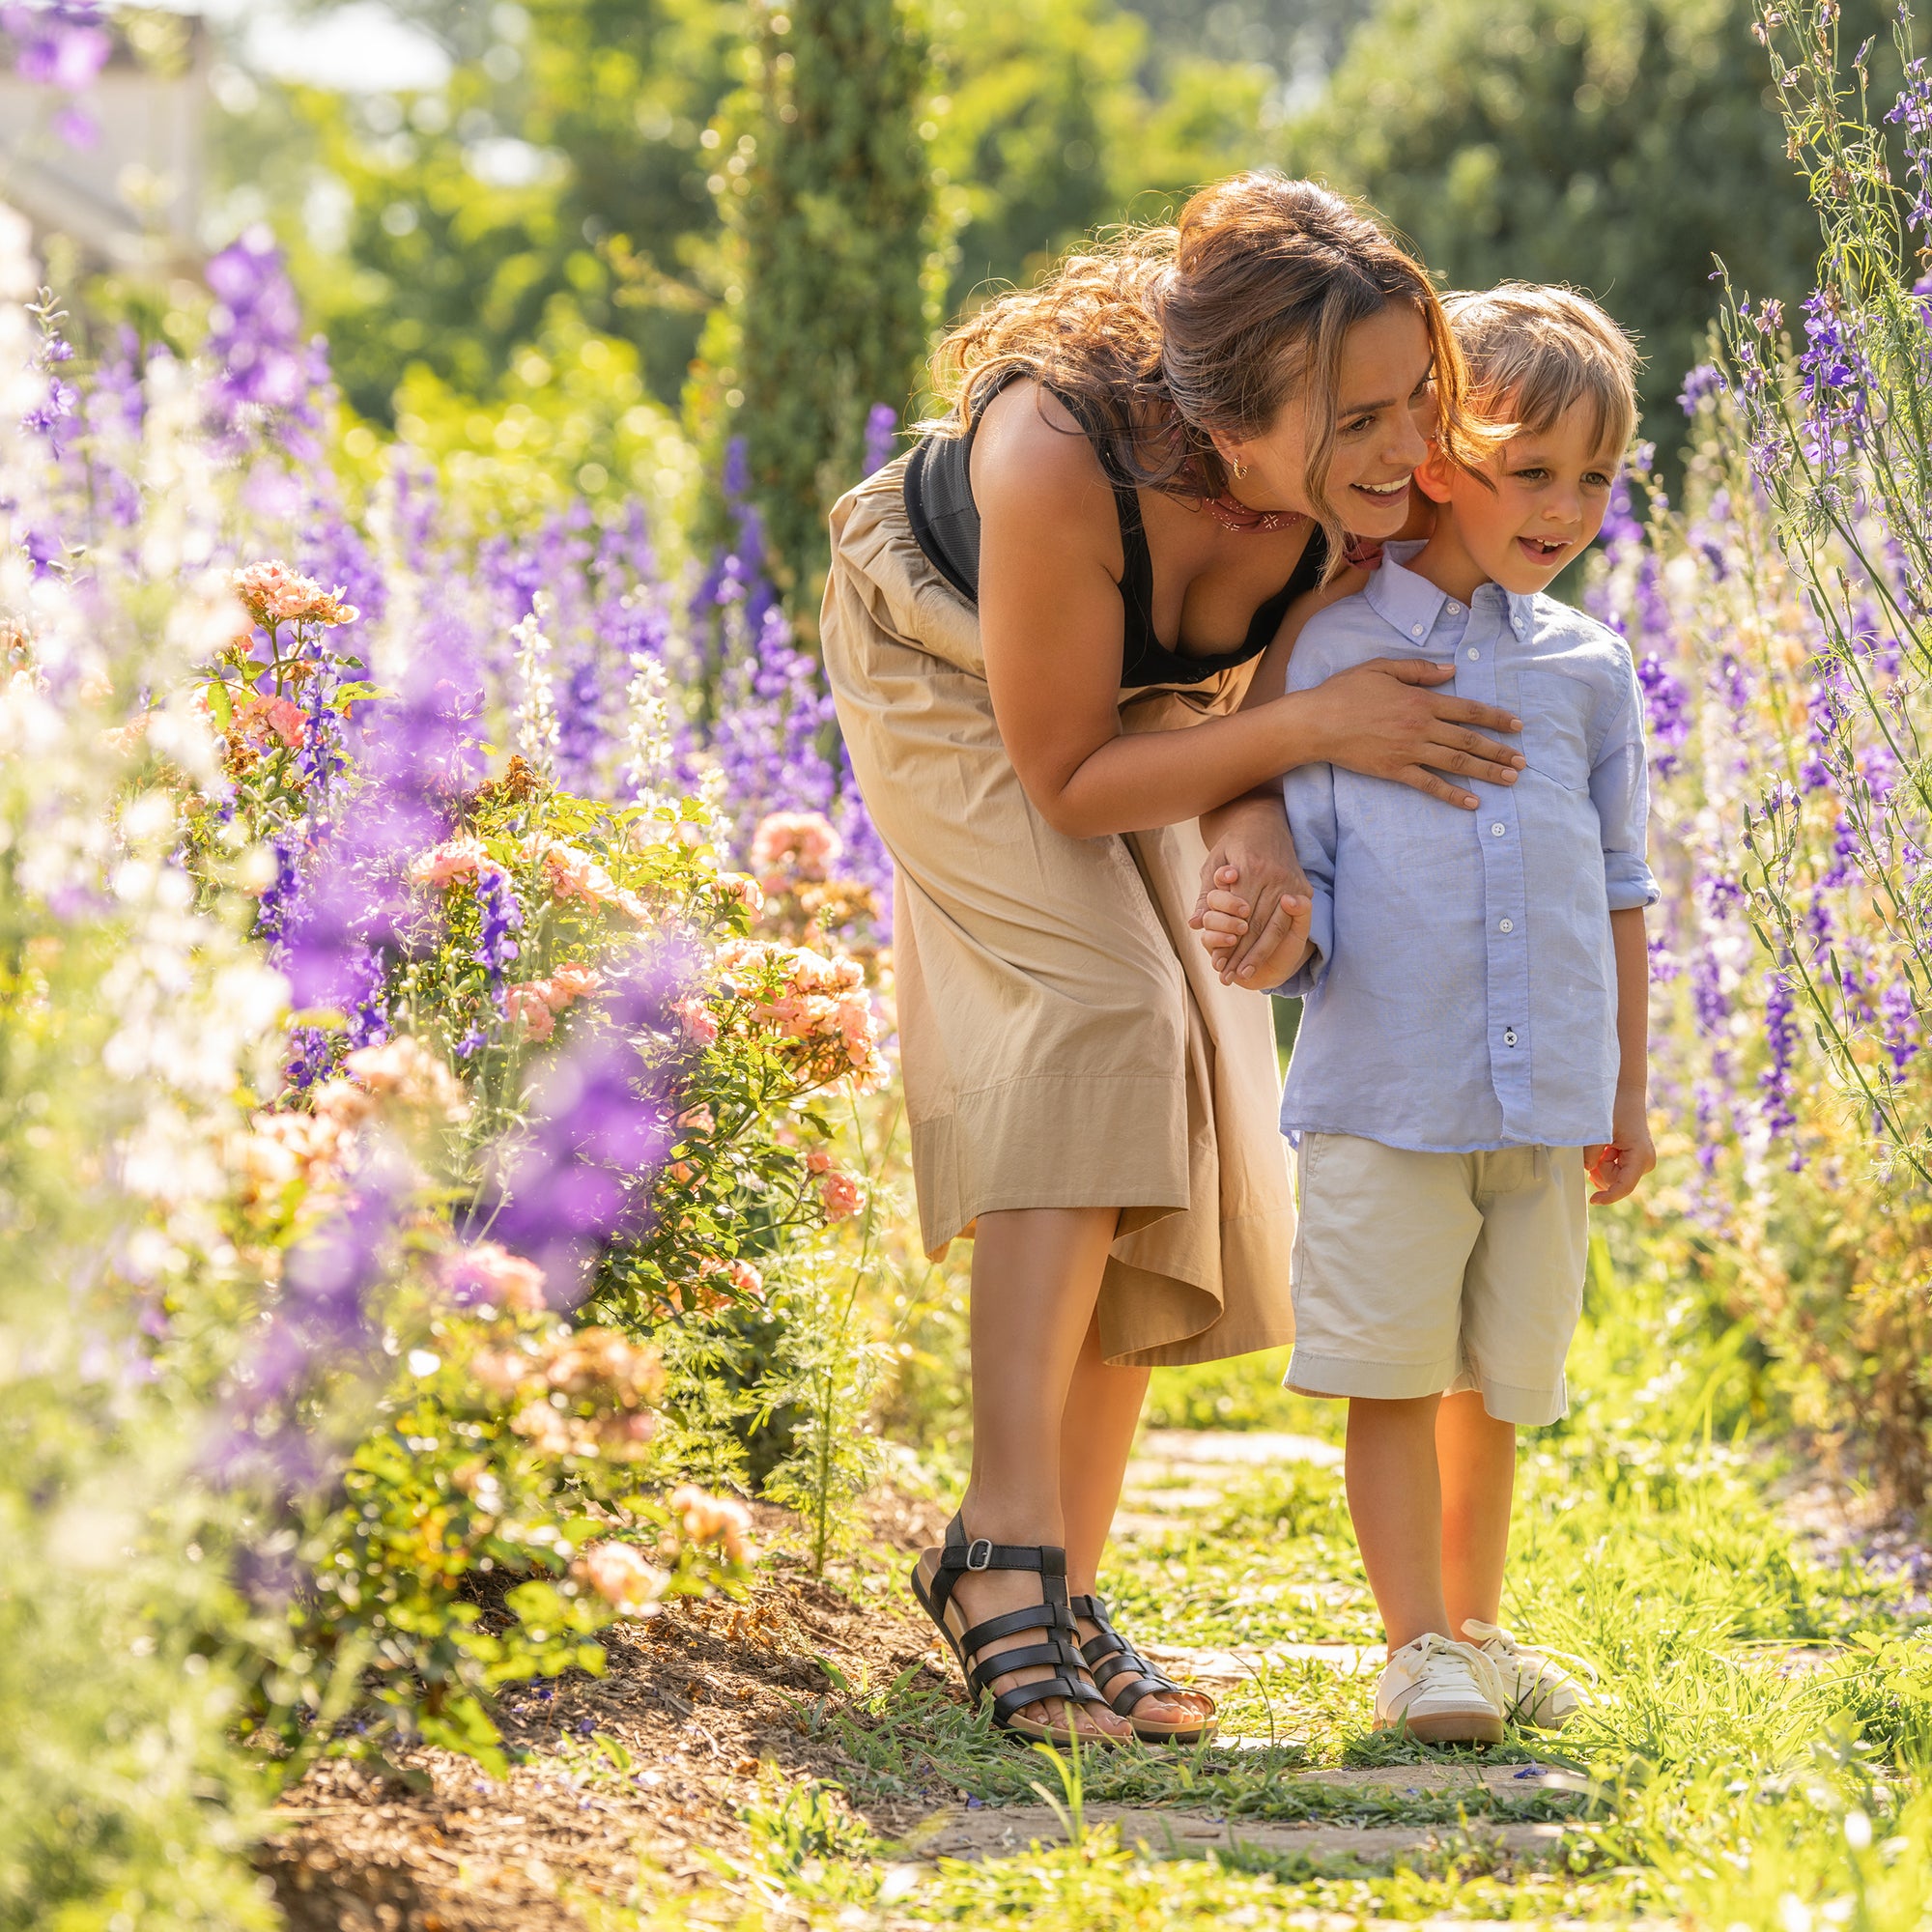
(1032, 463)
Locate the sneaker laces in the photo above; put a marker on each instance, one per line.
(1485, 1634)
(1478, 1663)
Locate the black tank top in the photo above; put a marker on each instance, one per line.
(946, 522)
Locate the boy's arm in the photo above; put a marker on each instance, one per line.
(1619, 787)
(1298, 960)
(1627, 1155)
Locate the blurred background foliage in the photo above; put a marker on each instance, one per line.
(616, 171)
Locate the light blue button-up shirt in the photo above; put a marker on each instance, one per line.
(1461, 990)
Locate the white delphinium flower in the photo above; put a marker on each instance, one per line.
(648, 743)
(714, 825)
(538, 732)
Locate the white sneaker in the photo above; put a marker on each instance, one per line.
(1537, 1689)
(1443, 1692)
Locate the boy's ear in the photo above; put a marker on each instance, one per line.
(1436, 472)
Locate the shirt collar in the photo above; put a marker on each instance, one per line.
(1413, 605)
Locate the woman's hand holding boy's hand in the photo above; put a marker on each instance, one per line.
(1618, 1164)
(1277, 950)
(1251, 865)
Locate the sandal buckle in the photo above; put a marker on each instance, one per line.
(975, 1560)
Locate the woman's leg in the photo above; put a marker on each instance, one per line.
(1476, 1455)
(1394, 1502)
(1097, 1433)
(1036, 1280)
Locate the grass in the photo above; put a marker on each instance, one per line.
(1757, 1757)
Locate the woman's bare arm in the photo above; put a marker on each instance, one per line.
(1052, 628)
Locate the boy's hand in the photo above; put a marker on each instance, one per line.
(1280, 949)
(1620, 1163)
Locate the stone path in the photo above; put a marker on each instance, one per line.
(1003, 1830)
(1175, 1473)
(1179, 1472)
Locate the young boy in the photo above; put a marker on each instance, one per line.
(1472, 1041)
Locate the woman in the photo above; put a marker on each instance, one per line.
(1038, 628)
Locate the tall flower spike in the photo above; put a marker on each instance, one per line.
(648, 774)
(537, 730)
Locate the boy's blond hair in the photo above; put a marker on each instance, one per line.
(1533, 350)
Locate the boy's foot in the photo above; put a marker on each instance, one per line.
(1442, 1692)
(1537, 1689)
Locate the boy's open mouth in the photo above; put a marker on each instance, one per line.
(1543, 550)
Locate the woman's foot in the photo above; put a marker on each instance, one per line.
(1165, 1708)
(981, 1595)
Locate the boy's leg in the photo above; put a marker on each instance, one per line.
(1476, 1456)
(1395, 1501)
(1380, 1259)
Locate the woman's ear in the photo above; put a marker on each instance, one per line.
(1436, 472)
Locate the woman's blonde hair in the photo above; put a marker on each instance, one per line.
(1533, 349)
(1167, 334)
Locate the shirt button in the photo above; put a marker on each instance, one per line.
(1498, 828)
(1415, 630)
(1473, 654)
(1509, 1036)
(1505, 925)
(1453, 608)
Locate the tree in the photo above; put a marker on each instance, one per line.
(1616, 145)
(835, 279)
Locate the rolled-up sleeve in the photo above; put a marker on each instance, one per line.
(1620, 790)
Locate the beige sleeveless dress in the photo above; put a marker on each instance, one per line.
(1063, 1041)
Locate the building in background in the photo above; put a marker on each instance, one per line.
(102, 132)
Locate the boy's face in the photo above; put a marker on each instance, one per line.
(1551, 489)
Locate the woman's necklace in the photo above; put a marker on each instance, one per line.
(1231, 514)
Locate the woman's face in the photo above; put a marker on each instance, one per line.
(1385, 409)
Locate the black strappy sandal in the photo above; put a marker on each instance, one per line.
(1110, 1655)
(1052, 1615)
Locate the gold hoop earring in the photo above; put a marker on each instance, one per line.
(1241, 469)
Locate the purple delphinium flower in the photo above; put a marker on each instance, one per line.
(255, 337)
(882, 425)
(1703, 381)
(1898, 1014)
(1621, 526)
(600, 1125)
(502, 919)
(417, 752)
(1666, 705)
(323, 1321)
(1710, 1112)
(1838, 380)
(1844, 849)
(368, 1011)
(1709, 1007)
(581, 725)
(1781, 1035)
(63, 44)
(1913, 111)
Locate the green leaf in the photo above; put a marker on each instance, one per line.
(537, 1603)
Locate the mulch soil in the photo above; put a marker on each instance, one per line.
(696, 1701)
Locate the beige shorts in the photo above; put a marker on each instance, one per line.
(1421, 1275)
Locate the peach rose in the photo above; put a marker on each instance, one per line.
(620, 1574)
(458, 858)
